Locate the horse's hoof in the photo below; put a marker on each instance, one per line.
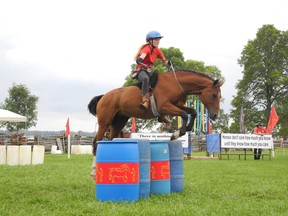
(175, 135)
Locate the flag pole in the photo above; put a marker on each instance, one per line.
(69, 146)
(133, 125)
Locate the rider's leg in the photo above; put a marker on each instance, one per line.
(143, 77)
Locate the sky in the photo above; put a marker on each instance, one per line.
(66, 51)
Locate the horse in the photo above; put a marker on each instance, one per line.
(114, 108)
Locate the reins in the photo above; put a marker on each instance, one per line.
(176, 78)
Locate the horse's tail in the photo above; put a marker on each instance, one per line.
(93, 104)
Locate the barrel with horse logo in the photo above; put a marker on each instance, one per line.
(144, 166)
(176, 166)
(117, 171)
(160, 167)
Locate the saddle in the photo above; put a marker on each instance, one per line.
(153, 79)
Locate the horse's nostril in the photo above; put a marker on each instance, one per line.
(213, 116)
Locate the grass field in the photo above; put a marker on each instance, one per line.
(63, 186)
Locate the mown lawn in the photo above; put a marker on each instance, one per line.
(63, 186)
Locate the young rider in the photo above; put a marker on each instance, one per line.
(145, 58)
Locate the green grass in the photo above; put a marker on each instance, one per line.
(63, 186)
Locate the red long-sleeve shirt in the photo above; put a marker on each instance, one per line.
(150, 57)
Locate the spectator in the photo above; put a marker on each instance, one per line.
(259, 129)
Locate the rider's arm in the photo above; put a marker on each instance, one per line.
(140, 58)
(162, 57)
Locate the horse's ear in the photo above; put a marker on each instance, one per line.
(218, 83)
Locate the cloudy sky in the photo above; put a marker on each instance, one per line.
(68, 51)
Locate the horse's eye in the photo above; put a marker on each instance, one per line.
(214, 96)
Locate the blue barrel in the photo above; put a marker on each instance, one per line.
(176, 166)
(117, 171)
(144, 164)
(160, 167)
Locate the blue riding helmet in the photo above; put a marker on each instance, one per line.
(153, 35)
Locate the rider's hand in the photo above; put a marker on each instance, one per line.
(170, 63)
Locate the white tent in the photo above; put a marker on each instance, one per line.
(8, 116)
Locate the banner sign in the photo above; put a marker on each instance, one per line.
(243, 141)
(161, 136)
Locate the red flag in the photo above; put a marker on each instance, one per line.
(133, 125)
(67, 132)
(273, 119)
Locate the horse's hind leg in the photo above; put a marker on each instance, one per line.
(100, 135)
(118, 124)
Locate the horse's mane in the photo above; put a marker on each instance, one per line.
(192, 71)
(154, 77)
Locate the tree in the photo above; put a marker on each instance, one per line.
(22, 102)
(265, 80)
(221, 124)
(176, 56)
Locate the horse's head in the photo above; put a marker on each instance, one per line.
(210, 97)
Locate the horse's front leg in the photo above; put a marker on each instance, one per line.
(193, 114)
(182, 129)
(175, 111)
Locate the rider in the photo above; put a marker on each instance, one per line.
(145, 58)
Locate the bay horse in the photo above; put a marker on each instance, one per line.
(114, 108)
